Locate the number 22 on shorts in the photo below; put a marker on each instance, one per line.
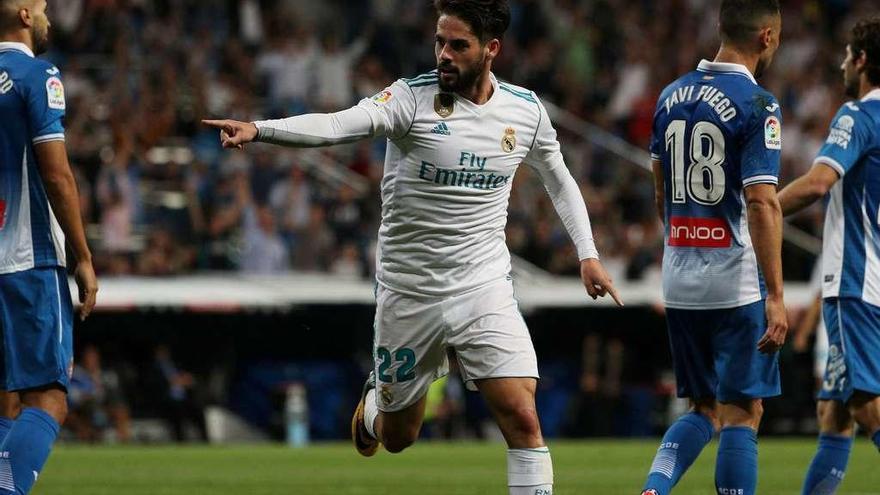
(406, 360)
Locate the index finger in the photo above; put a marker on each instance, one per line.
(219, 124)
(611, 290)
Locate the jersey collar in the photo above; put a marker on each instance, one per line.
(479, 109)
(707, 66)
(14, 45)
(874, 94)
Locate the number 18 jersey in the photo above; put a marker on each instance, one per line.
(715, 133)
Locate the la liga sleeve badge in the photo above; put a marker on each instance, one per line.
(55, 93)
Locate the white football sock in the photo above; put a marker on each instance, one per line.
(371, 411)
(529, 471)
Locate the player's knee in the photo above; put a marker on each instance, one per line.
(757, 410)
(522, 422)
(865, 409)
(834, 418)
(709, 409)
(53, 401)
(396, 442)
(745, 413)
(10, 407)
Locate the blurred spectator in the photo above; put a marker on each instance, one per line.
(291, 200)
(264, 251)
(595, 407)
(96, 400)
(315, 251)
(115, 194)
(164, 256)
(176, 395)
(334, 72)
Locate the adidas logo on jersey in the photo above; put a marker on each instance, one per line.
(441, 128)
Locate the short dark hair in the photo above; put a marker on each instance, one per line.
(9, 16)
(741, 19)
(865, 37)
(487, 18)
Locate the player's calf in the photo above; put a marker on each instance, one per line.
(736, 466)
(398, 430)
(680, 447)
(29, 442)
(512, 402)
(865, 409)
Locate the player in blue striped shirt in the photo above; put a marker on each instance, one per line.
(847, 172)
(39, 206)
(715, 149)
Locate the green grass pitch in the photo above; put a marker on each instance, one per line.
(599, 467)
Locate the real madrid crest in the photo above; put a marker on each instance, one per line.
(444, 104)
(508, 142)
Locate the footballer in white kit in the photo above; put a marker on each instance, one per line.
(456, 137)
(443, 265)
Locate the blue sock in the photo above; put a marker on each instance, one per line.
(828, 466)
(25, 450)
(736, 468)
(681, 445)
(5, 425)
(876, 439)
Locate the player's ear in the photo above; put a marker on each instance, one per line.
(766, 37)
(494, 47)
(860, 60)
(24, 15)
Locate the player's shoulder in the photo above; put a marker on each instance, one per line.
(38, 74)
(865, 110)
(683, 81)
(422, 82)
(518, 93)
(34, 69)
(760, 100)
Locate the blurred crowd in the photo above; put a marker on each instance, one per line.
(162, 198)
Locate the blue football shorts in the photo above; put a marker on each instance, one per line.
(853, 348)
(715, 353)
(36, 323)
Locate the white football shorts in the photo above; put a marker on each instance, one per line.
(412, 334)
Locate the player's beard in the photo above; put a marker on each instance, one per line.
(40, 35)
(466, 77)
(761, 67)
(851, 82)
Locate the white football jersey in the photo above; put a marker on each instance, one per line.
(449, 169)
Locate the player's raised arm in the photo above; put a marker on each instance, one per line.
(389, 113)
(546, 158)
(64, 199)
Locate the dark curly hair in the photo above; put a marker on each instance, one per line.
(487, 18)
(865, 37)
(740, 19)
